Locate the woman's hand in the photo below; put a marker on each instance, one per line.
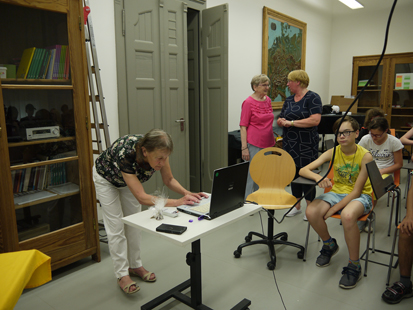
(188, 199)
(246, 154)
(281, 121)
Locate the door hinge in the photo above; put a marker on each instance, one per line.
(94, 224)
(87, 123)
(123, 22)
(80, 23)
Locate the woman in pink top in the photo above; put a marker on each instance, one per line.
(256, 123)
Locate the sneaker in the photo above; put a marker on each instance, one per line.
(293, 212)
(305, 217)
(351, 275)
(395, 294)
(326, 254)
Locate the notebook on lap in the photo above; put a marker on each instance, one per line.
(228, 190)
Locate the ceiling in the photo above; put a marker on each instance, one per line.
(339, 8)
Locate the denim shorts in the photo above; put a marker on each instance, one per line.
(333, 198)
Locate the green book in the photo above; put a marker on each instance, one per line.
(32, 69)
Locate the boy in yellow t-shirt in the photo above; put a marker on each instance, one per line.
(350, 196)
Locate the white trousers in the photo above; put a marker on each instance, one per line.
(124, 240)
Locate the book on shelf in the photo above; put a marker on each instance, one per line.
(38, 63)
(51, 64)
(31, 196)
(62, 62)
(67, 65)
(65, 188)
(56, 62)
(25, 63)
(43, 64)
(26, 179)
(33, 64)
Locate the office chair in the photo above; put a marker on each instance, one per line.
(272, 169)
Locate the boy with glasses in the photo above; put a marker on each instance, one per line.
(350, 196)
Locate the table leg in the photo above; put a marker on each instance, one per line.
(193, 259)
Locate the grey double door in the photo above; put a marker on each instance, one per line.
(176, 79)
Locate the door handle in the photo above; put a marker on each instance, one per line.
(182, 121)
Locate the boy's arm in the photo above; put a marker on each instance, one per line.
(307, 172)
(357, 189)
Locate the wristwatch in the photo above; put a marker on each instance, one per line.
(292, 123)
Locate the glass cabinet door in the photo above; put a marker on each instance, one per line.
(402, 94)
(372, 96)
(40, 122)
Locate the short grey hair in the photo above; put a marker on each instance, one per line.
(155, 139)
(259, 79)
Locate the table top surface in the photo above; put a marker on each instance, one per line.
(196, 229)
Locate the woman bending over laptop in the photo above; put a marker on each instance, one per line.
(118, 175)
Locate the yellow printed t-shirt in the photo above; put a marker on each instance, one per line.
(347, 171)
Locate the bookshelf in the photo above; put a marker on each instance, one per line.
(383, 92)
(47, 194)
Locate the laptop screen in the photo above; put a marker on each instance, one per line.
(228, 190)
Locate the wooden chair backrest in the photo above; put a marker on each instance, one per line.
(272, 169)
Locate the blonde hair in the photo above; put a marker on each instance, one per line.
(300, 76)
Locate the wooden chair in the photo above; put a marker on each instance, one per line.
(272, 169)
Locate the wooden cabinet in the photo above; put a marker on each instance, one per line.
(47, 194)
(389, 88)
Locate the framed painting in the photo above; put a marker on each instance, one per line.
(283, 50)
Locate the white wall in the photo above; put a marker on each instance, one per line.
(358, 34)
(331, 45)
(245, 45)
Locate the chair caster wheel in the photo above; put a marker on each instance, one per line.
(248, 239)
(237, 254)
(271, 265)
(300, 255)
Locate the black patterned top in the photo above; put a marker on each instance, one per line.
(121, 157)
(301, 143)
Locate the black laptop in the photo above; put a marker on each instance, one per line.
(228, 190)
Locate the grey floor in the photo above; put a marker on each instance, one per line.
(225, 279)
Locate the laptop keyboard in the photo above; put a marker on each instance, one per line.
(202, 208)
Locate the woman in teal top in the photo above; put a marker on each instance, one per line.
(118, 175)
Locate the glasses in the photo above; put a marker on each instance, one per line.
(376, 136)
(345, 133)
(264, 85)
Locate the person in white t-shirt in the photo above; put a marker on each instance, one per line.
(385, 149)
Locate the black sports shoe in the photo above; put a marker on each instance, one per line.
(395, 293)
(326, 253)
(351, 275)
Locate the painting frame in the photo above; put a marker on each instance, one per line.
(289, 57)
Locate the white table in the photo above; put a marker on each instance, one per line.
(195, 231)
